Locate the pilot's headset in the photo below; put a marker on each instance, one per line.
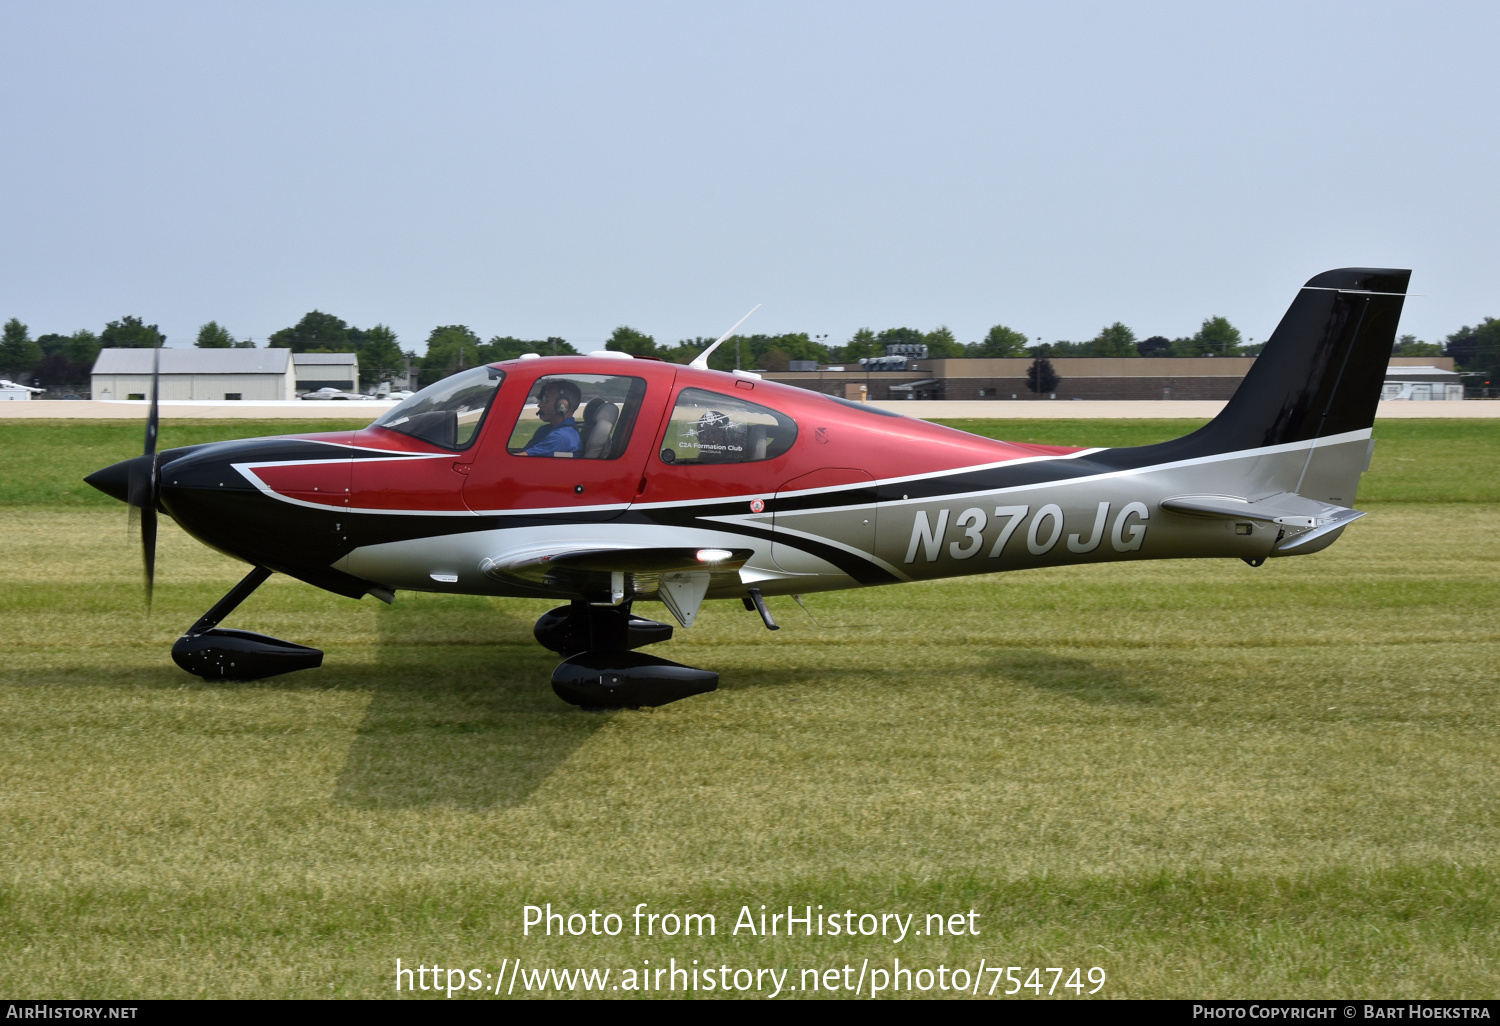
(560, 406)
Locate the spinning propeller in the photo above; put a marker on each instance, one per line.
(137, 481)
(206, 650)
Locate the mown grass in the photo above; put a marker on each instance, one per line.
(45, 461)
(1208, 779)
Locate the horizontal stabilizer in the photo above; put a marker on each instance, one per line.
(1302, 520)
(1303, 540)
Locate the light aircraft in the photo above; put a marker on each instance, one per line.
(650, 481)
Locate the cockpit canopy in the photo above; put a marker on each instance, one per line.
(594, 423)
(449, 412)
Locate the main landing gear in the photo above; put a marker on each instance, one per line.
(599, 669)
(218, 653)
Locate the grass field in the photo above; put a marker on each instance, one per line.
(1207, 779)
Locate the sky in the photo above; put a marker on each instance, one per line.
(563, 168)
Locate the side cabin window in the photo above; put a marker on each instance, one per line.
(449, 412)
(707, 427)
(578, 416)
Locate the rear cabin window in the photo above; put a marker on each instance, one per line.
(707, 427)
(449, 412)
(578, 416)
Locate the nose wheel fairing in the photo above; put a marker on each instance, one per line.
(216, 653)
(226, 654)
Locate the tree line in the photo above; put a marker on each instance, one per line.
(58, 361)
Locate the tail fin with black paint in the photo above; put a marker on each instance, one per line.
(1319, 377)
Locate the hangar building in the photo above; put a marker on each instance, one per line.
(1081, 377)
(1422, 382)
(326, 370)
(199, 374)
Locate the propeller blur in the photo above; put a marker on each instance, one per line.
(134, 482)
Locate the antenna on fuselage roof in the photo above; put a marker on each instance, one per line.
(701, 360)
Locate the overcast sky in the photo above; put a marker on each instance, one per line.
(563, 168)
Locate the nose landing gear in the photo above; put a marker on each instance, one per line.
(217, 653)
(601, 671)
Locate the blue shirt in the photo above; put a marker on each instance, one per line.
(555, 438)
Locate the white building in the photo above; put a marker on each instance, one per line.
(196, 374)
(1421, 383)
(10, 391)
(326, 370)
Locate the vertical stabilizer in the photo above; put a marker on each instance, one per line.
(1318, 380)
(1321, 372)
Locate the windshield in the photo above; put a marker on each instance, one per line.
(449, 412)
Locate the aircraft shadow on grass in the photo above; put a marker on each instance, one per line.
(1069, 677)
(457, 724)
(472, 726)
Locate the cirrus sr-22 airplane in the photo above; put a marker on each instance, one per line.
(603, 481)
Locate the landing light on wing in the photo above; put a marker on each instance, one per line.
(713, 555)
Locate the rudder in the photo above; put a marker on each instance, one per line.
(1318, 378)
(1322, 369)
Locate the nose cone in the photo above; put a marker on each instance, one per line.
(215, 495)
(114, 480)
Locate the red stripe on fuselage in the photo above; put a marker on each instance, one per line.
(830, 435)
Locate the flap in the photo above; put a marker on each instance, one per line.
(534, 565)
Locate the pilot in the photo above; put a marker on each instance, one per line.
(558, 435)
